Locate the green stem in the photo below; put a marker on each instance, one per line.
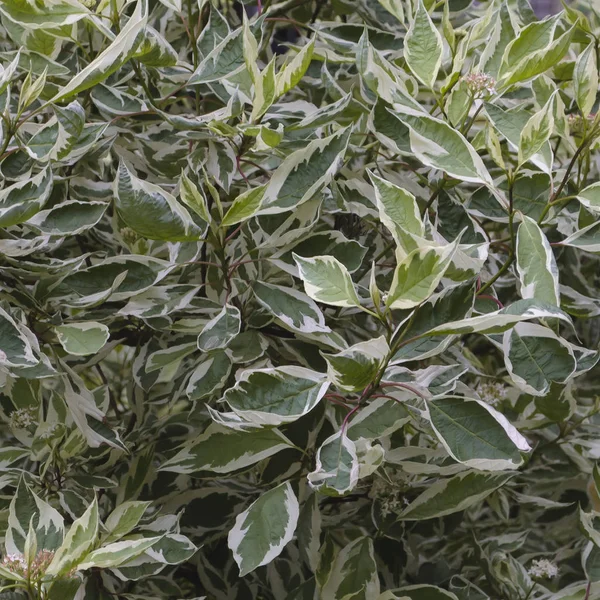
(503, 269)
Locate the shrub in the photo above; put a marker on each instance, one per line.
(299, 300)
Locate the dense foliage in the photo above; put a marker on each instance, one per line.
(299, 300)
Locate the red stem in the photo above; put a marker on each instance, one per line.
(489, 297)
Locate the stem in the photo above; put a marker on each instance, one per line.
(588, 590)
(499, 274)
(554, 203)
(529, 592)
(579, 150)
(138, 72)
(405, 386)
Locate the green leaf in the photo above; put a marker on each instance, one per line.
(155, 51)
(304, 173)
(380, 418)
(276, 396)
(220, 330)
(535, 356)
(193, 197)
(22, 200)
(536, 132)
(417, 276)
(510, 124)
(224, 450)
(437, 145)
(538, 272)
(336, 468)
(122, 48)
(327, 280)
(82, 339)
(423, 47)
(210, 375)
(290, 75)
(246, 205)
(79, 540)
(150, 211)
(118, 553)
(123, 519)
(448, 496)
(354, 573)
(263, 530)
(399, 212)
(354, 368)
(292, 308)
(15, 343)
(27, 507)
(585, 80)
(501, 320)
(476, 434)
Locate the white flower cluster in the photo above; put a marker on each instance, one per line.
(389, 497)
(18, 564)
(543, 569)
(491, 392)
(481, 85)
(22, 418)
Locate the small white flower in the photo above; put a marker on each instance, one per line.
(481, 85)
(491, 392)
(543, 569)
(22, 418)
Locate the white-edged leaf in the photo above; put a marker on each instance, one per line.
(585, 80)
(122, 48)
(535, 356)
(399, 212)
(80, 539)
(354, 573)
(262, 531)
(304, 173)
(276, 396)
(336, 469)
(447, 496)
(327, 280)
(423, 47)
(223, 450)
(82, 339)
(417, 276)
(220, 330)
(538, 272)
(476, 434)
(293, 308)
(27, 507)
(117, 553)
(354, 368)
(150, 211)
